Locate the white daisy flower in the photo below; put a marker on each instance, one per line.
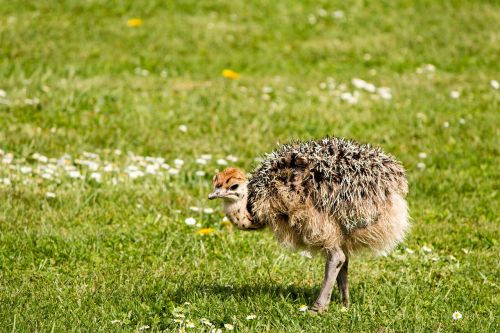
(159, 160)
(31, 101)
(221, 161)
(108, 168)
(7, 159)
(410, 251)
(200, 173)
(370, 87)
(190, 221)
(422, 155)
(131, 168)
(303, 308)
(90, 155)
(494, 84)
(358, 83)
(229, 327)
(50, 195)
(338, 14)
(93, 166)
(205, 321)
(190, 324)
(208, 210)
(349, 98)
(215, 330)
(426, 249)
(173, 171)
(430, 67)
(152, 168)
(26, 169)
(455, 94)
(96, 176)
(178, 162)
(385, 93)
(183, 128)
(446, 124)
(456, 315)
(194, 208)
(206, 156)
(47, 169)
(201, 161)
(3, 94)
(232, 158)
(427, 68)
(144, 327)
(322, 12)
(461, 121)
(134, 174)
(75, 174)
(306, 254)
(46, 175)
(251, 317)
(267, 90)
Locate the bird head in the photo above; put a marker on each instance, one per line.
(230, 185)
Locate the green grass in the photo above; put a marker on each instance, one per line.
(98, 252)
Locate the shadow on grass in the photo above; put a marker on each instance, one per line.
(249, 291)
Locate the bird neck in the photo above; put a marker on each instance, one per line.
(236, 211)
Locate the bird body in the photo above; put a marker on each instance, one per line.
(331, 195)
(329, 192)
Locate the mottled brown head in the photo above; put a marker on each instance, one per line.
(229, 184)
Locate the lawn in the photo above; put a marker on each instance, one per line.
(111, 130)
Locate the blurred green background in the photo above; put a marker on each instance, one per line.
(98, 242)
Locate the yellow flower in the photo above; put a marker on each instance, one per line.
(205, 231)
(135, 22)
(229, 74)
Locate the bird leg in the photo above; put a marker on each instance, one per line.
(334, 261)
(342, 283)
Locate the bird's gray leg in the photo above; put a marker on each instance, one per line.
(334, 260)
(342, 283)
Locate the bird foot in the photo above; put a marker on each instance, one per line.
(318, 308)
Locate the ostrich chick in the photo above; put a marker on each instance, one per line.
(330, 195)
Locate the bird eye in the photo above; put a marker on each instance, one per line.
(234, 187)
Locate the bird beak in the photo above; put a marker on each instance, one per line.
(215, 194)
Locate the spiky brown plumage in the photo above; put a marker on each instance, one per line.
(345, 183)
